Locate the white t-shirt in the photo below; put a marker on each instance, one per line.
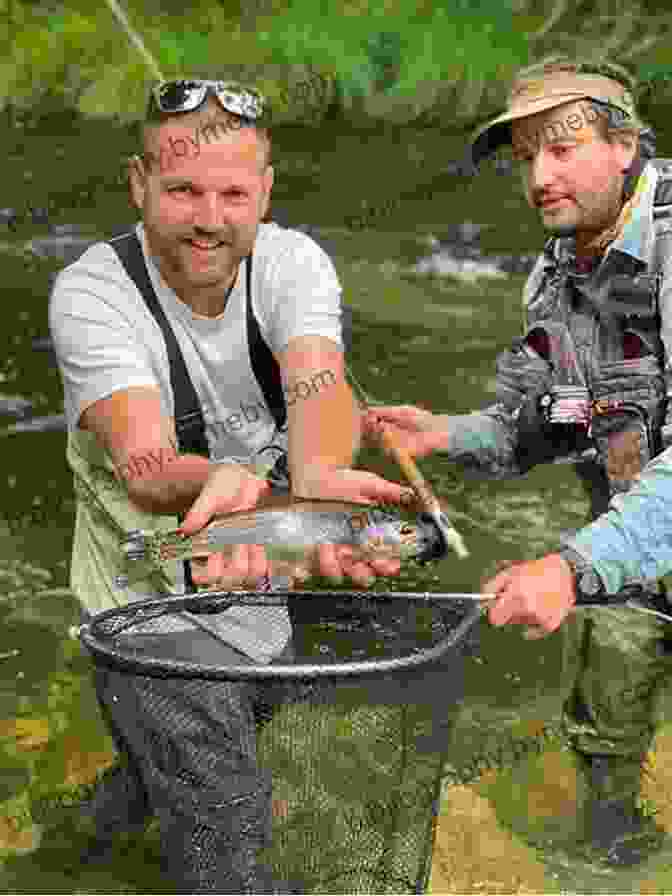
(107, 340)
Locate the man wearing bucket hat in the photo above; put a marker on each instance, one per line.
(589, 380)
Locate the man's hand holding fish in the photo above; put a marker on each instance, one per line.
(249, 563)
(229, 488)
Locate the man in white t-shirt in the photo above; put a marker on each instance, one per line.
(229, 291)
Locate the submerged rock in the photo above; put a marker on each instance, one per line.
(27, 734)
(458, 254)
(43, 344)
(39, 215)
(15, 406)
(67, 247)
(446, 263)
(10, 217)
(64, 229)
(503, 166)
(50, 423)
(516, 264)
(19, 839)
(459, 168)
(465, 232)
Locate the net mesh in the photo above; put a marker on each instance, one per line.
(324, 782)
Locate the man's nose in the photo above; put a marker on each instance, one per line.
(209, 212)
(542, 171)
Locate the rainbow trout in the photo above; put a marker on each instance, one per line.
(291, 530)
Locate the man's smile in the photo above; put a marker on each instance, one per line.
(204, 246)
(553, 201)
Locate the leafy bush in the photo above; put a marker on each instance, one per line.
(399, 60)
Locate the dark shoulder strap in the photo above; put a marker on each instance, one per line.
(662, 201)
(189, 423)
(264, 366)
(346, 327)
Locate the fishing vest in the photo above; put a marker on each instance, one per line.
(594, 354)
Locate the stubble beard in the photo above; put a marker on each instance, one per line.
(586, 225)
(182, 267)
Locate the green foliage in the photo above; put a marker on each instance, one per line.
(438, 58)
(375, 46)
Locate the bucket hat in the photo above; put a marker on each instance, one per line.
(529, 96)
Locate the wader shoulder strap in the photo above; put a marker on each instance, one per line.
(189, 423)
(264, 365)
(262, 360)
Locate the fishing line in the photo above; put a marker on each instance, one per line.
(367, 401)
(633, 606)
(135, 38)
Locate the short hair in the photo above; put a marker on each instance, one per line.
(611, 122)
(210, 116)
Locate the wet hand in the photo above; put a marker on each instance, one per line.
(538, 593)
(229, 488)
(417, 431)
(357, 486)
(337, 562)
(243, 565)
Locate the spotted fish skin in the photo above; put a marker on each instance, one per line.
(286, 532)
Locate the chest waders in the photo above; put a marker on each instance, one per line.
(189, 422)
(319, 772)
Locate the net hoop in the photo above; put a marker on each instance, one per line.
(92, 638)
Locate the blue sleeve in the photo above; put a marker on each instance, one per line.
(632, 542)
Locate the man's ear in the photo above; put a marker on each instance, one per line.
(626, 145)
(137, 181)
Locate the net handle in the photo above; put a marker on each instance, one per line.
(89, 634)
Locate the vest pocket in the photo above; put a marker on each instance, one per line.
(521, 372)
(628, 407)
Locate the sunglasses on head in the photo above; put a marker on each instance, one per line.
(186, 95)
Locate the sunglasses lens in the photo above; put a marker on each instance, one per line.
(185, 96)
(179, 96)
(240, 100)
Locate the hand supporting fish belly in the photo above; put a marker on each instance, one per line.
(293, 534)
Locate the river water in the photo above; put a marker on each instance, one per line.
(417, 339)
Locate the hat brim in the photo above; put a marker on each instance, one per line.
(497, 132)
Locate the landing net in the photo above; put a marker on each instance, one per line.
(352, 727)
